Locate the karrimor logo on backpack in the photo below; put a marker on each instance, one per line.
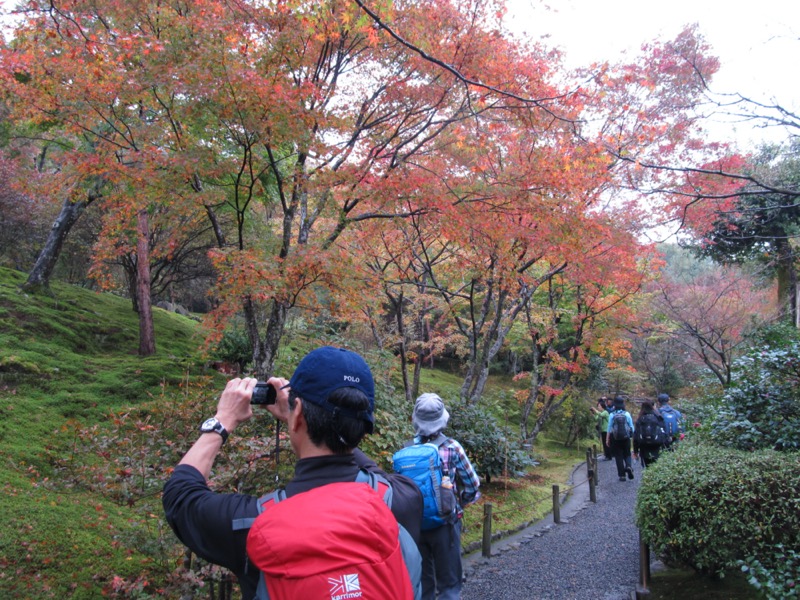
(344, 587)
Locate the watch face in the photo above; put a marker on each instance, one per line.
(209, 424)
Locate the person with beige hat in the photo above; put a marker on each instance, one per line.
(440, 543)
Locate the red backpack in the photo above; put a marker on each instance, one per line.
(337, 541)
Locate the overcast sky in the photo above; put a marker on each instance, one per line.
(758, 43)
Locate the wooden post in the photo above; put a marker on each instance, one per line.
(556, 505)
(644, 568)
(592, 490)
(589, 464)
(486, 546)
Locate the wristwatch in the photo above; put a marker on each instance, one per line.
(213, 425)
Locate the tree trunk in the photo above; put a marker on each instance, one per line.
(396, 306)
(147, 336)
(530, 402)
(266, 349)
(42, 270)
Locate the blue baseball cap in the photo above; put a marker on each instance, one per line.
(327, 369)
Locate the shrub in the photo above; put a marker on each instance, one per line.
(777, 575)
(234, 347)
(392, 415)
(708, 507)
(489, 448)
(762, 408)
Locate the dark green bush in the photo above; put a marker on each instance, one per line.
(392, 415)
(708, 507)
(234, 347)
(491, 450)
(777, 575)
(761, 409)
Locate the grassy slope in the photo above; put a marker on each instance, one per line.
(71, 356)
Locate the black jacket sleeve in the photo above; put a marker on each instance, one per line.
(203, 519)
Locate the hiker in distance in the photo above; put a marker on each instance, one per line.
(649, 435)
(620, 430)
(325, 535)
(673, 421)
(439, 465)
(601, 417)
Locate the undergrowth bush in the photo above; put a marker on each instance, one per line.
(493, 451)
(392, 414)
(708, 507)
(776, 575)
(761, 409)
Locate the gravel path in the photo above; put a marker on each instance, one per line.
(592, 554)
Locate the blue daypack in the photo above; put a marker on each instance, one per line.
(422, 463)
(671, 417)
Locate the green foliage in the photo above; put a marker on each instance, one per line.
(707, 507)
(573, 420)
(775, 576)
(392, 412)
(234, 347)
(779, 334)
(761, 409)
(493, 451)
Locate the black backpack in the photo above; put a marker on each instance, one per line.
(619, 426)
(649, 431)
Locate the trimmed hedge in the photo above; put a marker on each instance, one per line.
(707, 507)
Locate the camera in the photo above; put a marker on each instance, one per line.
(263, 393)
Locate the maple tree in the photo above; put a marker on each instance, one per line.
(710, 313)
(104, 135)
(581, 311)
(400, 316)
(516, 219)
(719, 195)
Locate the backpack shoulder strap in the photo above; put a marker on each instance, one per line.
(377, 482)
(411, 555)
(263, 503)
(439, 440)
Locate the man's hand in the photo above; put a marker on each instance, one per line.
(234, 407)
(280, 410)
